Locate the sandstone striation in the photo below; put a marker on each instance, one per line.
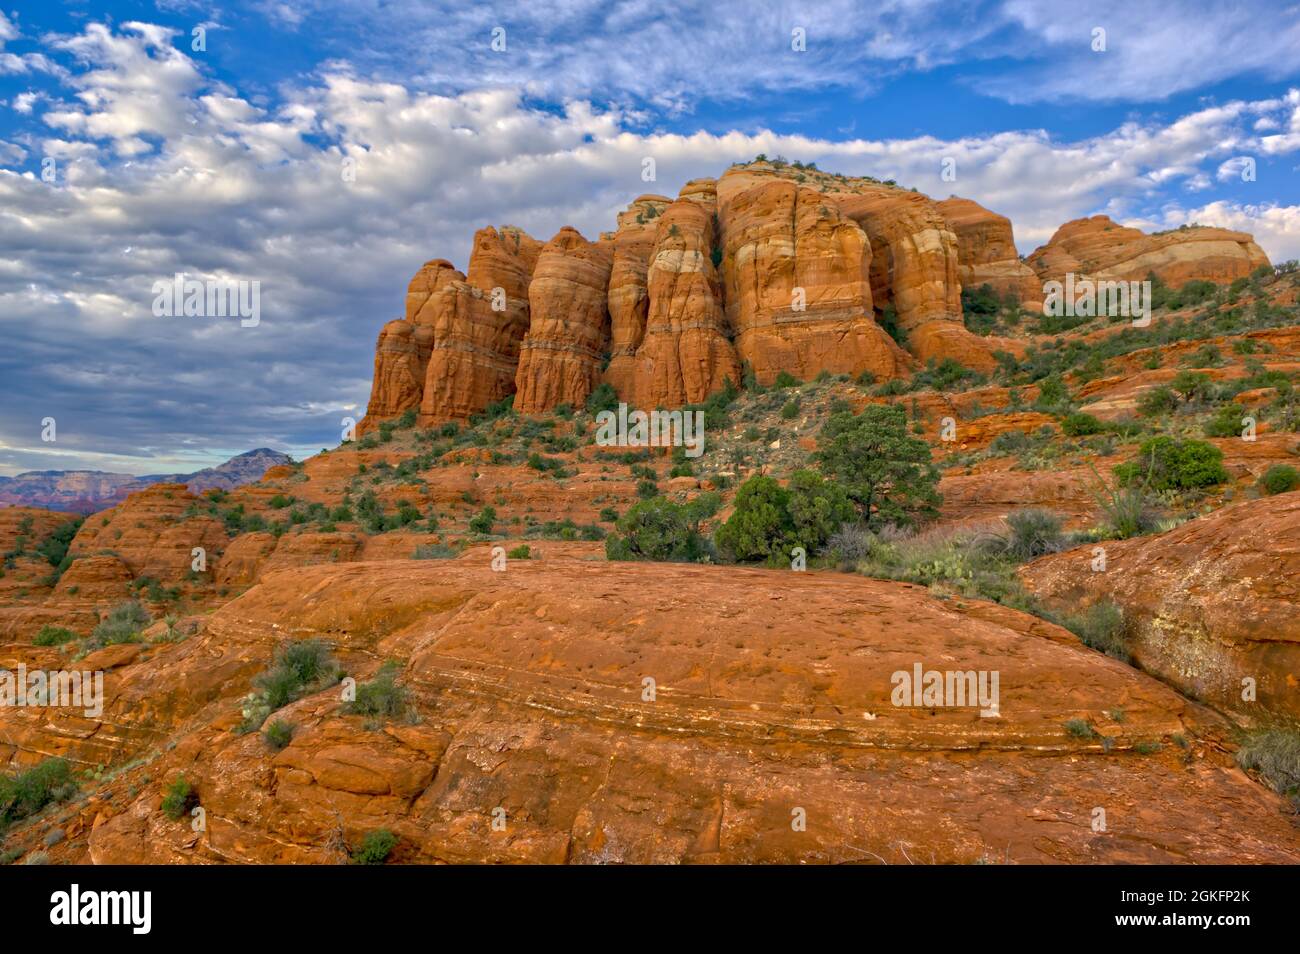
(797, 283)
(562, 355)
(987, 255)
(1206, 605)
(778, 697)
(1100, 249)
(684, 354)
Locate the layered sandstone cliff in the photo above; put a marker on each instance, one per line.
(986, 253)
(768, 269)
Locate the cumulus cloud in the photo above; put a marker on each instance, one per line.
(163, 169)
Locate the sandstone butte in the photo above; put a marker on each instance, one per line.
(756, 270)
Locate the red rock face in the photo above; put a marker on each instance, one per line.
(796, 282)
(629, 292)
(682, 353)
(147, 534)
(398, 383)
(986, 252)
(561, 357)
(764, 267)
(551, 726)
(1206, 605)
(1098, 248)
(913, 253)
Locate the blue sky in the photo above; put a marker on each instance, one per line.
(225, 162)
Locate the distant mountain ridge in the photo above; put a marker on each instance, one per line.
(85, 491)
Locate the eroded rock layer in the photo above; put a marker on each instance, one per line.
(1206, 605)
(779, 698)
(770, 268)
(987, 255)
(1098, 248)
(563, 353)
(797, 286)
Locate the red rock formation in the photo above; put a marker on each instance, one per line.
(987, 255)
(1100, 249)
(1206, 605)
(633, 245)
(148, 534)
(796, 282)
(544, 321)
(398, 384)
(551, 726)
(561, 357)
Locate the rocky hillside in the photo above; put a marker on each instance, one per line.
(85, 491)
(569, 652)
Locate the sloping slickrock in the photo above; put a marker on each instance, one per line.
(531, 703)
(561, 356)
(1099, 248)
(796, 282)
(1206, 605)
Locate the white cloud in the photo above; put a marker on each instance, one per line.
(202, 180)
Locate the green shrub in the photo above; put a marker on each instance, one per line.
(818, 508)
(1100, 627)
(1226, 421)
(179, 800)
(1157, 401)
(1009, 442)
(887, 473)
(1192, 386)
(790, 411)
(25, 793)
(785, 379)
(520, 552)
(53, 636)
(602, 398)
(1279, 479)
(124, 623)
(484, 521)
(1167, 463)
(1274, 753)
(296, 668)
(1079, 728)
(375, 847)
(647, 489)
(278, 734)
(661, 529)
(1030, 533)
(381, 696)
(760, 527)
(1080, 424)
